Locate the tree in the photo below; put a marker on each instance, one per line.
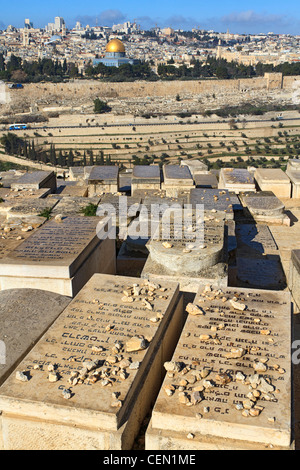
(101, 107)
(70, 158)
(11, 143)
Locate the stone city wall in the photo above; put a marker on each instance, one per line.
(78, 94)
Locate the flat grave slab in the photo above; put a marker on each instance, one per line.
(73, 205)
(265, 206)
(149, 173)
(36, 180)
(72, 190)
(27, 207)
(10, 176)
(275, 180)
(175, 179)
(228, 384)
(255, 240)
(103, 179)
(59, 256)
(176, 174)
(20, 194)
(106, 340)
(195, 166)
(104, 173)
(25, 315)
(215, 201)
(205, 181)
(76, 173)
(145, 177)
(14, 231)
(263, 272)
(236, 179)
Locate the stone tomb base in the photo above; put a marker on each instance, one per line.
(59, 257)
(128, 351)
(216, 275)
(228, 385)
(130, 263)
(294, 277)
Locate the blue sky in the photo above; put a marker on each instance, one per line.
(252, 17)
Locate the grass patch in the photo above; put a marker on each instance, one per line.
(90, 210)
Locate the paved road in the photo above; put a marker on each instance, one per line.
(158, 124)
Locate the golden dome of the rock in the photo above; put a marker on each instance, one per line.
(115, 45)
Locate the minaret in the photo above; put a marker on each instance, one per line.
(219, 50)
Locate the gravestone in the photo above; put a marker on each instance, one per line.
(7, 178)
(216, 202)
(145, 177)
(175, 179)
(59, 257)
(236, 180)
(228, 385)
(206, 181)
(25, 314)
(73, 206)
(72, 190)
(125, 182)
(195, 166)
(14, 231)
(103, 179)
(294, 277)
(275, 180)
(266, 207)
(188, 253)
(20, 194)
(255, 240)
(36, 180)
(27, 207)
(295, 181)
(122, 208)
(107, 349)
(76, 173)
(293, 165)
(263, 272)
(134, 252)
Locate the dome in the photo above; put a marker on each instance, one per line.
(115, 45)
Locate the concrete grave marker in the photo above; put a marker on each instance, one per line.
(107, 353)
(145, 177)
(59, 257)
(266, 207)
(103, 179)
(275, 180)
(188, 253)
(215, 201)
(175, 179)
(236, 180)
(230, 386)
(36, 180)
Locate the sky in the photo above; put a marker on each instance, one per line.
(250, 17)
